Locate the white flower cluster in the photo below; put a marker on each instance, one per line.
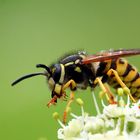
(119, 121)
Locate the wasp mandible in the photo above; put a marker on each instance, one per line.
(80, 70)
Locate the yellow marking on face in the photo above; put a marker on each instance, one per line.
(77, 69)
(70, 63)
(51, 83)
(53, 70)
(130, 76)
(121, 67)
(136, 83)
(58, 88)
(62, 73)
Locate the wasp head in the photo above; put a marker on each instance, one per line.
(52, 74)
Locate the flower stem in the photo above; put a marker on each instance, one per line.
(95, 103)
(122, 123)
(61, 124)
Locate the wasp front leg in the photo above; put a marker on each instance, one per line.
(52, 101)
(118, 79)
(55, 94)
(72, 85)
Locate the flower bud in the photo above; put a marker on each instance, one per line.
(126, 90)
(56, 115)
(101, 94)
(80, 101)
(120, 91)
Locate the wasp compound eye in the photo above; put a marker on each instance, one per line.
(56, 72)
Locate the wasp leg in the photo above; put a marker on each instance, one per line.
(98, 80)
(52, 101)
(110, 94)
(67, 107)
(122, 84)
(72, 85)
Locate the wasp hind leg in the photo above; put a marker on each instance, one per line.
(109, 96)
(118, 79)
(72, 85)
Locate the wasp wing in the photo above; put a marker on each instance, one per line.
(108, 55)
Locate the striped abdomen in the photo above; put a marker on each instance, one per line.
(127, 73)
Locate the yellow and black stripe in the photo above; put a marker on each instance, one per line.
(128, 74)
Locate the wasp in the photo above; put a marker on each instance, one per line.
(80, 70)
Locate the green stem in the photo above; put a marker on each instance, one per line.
(122, 122)
(96, 104)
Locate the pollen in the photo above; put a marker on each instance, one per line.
(55, 115)
(80, 101)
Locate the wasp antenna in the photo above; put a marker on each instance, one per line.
(44, 66)
(25, 77)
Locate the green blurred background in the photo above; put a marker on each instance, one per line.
(40, 31)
